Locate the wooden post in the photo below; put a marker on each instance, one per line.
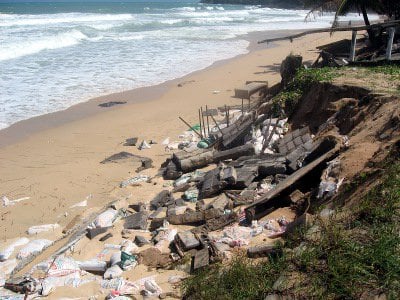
(208, 122)
(353, 45)
(204, 124)
(201, 132)
(389, 47)
(242, 106)
(216, 124)
(187, 124)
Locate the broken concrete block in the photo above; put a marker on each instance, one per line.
(131, 141)
(220, 203)
(138, 206)
(187, 240)
(136, 221)
(141, 240)
(201, 259)
(91, 233)
(161, 199)
(228, 175)
(156, 223)
(176, 210)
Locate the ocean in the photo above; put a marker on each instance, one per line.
(54, 55)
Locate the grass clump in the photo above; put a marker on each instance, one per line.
(353, 254)
(242, 278)
(288, 98)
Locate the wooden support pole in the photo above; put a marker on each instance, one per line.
(201, 132)
(242, 106)
(204, 124)
(353, 46)
(389, 47)
(187, 124)
(216, 124)
(208, 122)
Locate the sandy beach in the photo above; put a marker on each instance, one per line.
(55, 159)
(59, 166)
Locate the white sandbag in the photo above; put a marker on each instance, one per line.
(151, 288)
(165, 142)
(106, 218)
(33, 247)
(42, 228)
(113, 272)
(83, 203)
(93, 265)
(8, 266)
(63, 266)
(6, 252)
(7, 202)
(115, 258)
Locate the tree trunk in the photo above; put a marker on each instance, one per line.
(371, 34)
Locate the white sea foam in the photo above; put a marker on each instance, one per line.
(49, 62)
(10, 51)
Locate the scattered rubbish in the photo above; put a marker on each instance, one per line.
(111, 103)
(42, 228)
(7, 202)
(144, 145)
(134, 181)
(83, 203)
(165, 142)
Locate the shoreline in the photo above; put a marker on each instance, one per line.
(25, 128)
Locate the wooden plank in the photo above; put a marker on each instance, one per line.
(357, 28)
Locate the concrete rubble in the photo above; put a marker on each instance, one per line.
(255, 167)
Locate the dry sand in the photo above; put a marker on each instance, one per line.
(59, 166)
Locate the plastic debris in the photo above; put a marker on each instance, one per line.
(83, 203)
(134, 180)
(42, 228)
(144, 145)
(7, 202)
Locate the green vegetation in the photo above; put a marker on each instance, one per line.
(304, 79)
(350, 254)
